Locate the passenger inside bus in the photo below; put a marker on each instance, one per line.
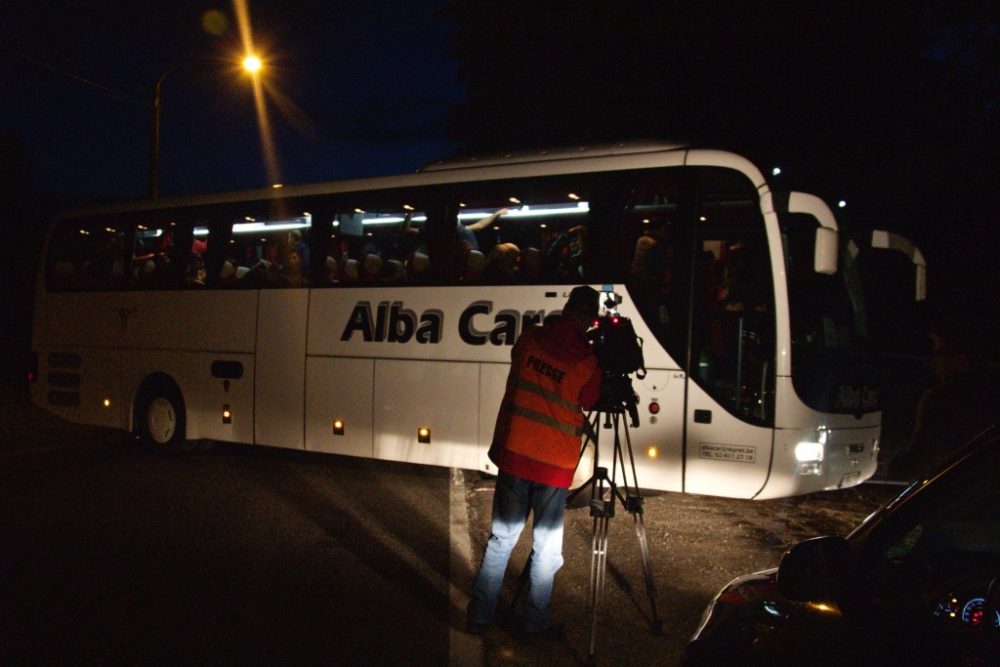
(289, 271)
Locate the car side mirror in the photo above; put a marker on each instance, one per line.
(813, 569)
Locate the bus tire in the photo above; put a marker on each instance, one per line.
(160, 419)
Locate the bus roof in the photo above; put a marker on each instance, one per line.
(546, 155)
(510, 165)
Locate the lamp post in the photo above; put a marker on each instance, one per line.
(251, 64)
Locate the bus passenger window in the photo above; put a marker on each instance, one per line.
(520, 238)
(168, 255)
(267, 253)
(87, 255)
(376, 243)
(652, 256)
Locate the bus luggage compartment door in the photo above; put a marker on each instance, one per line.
(279, 387)
(440, 398)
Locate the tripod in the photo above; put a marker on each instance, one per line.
(602, 509)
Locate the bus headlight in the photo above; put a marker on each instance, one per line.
(807, 452)
(809, 456)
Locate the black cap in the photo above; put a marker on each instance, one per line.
(584, 299)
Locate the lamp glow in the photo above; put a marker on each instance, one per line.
(252, 64)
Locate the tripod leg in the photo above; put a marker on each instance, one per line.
(647, 573)
(634, 506)
(598, 567)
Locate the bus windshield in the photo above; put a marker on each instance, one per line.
(831, 352)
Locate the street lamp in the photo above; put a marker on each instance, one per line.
(251, 64)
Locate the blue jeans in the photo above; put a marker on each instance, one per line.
(513, 499)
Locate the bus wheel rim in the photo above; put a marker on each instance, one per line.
(162, 420)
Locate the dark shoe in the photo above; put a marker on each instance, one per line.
(554, 633)
(474, 628)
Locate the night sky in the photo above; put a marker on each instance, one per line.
(891, 106)
(353, 89)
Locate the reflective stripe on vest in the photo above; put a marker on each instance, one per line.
(551, 396)
(545, 420)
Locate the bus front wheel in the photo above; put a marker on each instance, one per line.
(160, 418)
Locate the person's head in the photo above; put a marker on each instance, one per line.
(371, 265)
(292, 261)
(419, 266)
(503, 258)
(582, 306)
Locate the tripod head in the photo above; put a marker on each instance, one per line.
(618, 397)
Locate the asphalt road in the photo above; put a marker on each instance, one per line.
(111, 554)
(114, 554)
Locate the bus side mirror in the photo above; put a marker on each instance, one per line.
(827, 236)
(825, 256)
(890, 241)
(921, 282)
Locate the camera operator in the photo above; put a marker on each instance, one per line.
(536, 446)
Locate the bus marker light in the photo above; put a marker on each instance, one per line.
(423, 435)
(338, 427)
(652, 452)
(227, 415)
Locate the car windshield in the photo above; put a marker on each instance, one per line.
(941, 535)
(831, 353)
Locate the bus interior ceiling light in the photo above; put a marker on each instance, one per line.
(284, 225)
(423, 435)
(227, 414)
(338, 427)
(536, 211)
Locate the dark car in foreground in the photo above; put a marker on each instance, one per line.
(917, 583)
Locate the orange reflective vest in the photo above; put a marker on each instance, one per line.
(540, 421)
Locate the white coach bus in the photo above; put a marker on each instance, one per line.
(375, 318)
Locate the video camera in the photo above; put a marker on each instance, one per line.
(619, 353)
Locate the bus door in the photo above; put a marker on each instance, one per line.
(698, 269)
(730, 391)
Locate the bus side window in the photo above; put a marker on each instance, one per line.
(652, 257)
(520, 237)
(267, 253)
(168, 255)
(87, 255)
(378, 243)
(64, 270)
